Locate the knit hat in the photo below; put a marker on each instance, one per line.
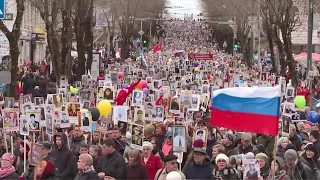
(280, 162)
(291, 154)
(259, 149)
(9, 157)
(249, 155)
(46, 145)
(262, 156)
(311, 147)
(147, 144)
(291, 146)
(222, 156)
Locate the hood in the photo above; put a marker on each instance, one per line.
(64, 140)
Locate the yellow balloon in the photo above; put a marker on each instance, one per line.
(196, 69)
(115, 69)
(168, 63)
(104, 107)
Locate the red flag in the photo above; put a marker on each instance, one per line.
(157, 48)
(124, 93)
(159, 101)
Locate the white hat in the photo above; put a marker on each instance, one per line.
(222, 156)
(147, 144)
(173, 175)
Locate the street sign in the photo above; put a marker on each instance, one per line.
(141, 33)
(2, 9)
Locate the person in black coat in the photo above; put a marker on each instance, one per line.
(111, 162)
(62, 155)
(85, 163)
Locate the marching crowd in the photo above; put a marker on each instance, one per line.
(108, 155)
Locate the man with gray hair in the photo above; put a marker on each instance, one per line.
(296, 169)
(245, 146)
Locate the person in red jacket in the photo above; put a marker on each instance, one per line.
(303, 90)
(101, 76)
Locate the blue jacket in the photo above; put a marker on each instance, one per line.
(203, 171)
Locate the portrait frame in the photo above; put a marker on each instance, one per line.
(37, 119)
(176, 139)
(123, 129)
(9, 101)
(137, 132)
(64, 124)
(49, 124)
(27, 98)
(246, 166)
(137, 101)
(137, 119)
(24, 126)
(204, 136)
(73, 113)
(122, 111)
(57, 103)
(38, 101)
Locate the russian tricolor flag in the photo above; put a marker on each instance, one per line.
(250, 109)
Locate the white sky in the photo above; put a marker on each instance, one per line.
(188, 6)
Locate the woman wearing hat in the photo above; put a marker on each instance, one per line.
(282, 146)
(152, 162)
(7, 170)
(312, 157)
(277, 170)
(263, 161)
(222, 170)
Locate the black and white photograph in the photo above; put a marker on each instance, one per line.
(156, 84)
(85, 104)
(290, 92)
(85, 95)
(49, 124)
(174, 105)
(205, 89)
(108, 93)
(189, 116)
(137, 134)
(120, 113)
(123, 127)
(186, 100)
(85, 122)
(251, 169)
(299, 116)
(137, 98)
(179, 139)
(49, 108)
(49, 99)
(195, 102)
(57, 101)
(24, 125)
(288, 108)
(201, 133)
(204, 101)
(286, 120)
(33, 117)
(9, 102)
(139, 116)
(64, 119)
(159, 113)
(150, 111)
(27, 99)
(38, 101)
(27, 107)
(84, 80)
(114, 78)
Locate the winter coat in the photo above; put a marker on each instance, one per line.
(12, 176)
(92, 175)
(225, 174)
(296, 141)
(282, 175)
(241, 150)
(300, 171)
(75, 144)
(195, 171)
(267, 142)
(112, 163)
(63, 157)
(138, 171)
(153, 165)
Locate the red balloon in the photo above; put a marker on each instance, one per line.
(120, 75)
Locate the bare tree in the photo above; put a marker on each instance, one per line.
(56, 16)
(286, 19)
(13, 37)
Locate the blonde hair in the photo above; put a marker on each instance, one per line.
(136, 155)
(220, 147)
(87, 158)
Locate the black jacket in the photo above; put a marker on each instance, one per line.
(63, 157)
(300, 171)
(92, 175)
(113, 163)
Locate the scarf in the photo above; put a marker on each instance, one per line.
(4, 172)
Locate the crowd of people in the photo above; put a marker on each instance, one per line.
(162, 131)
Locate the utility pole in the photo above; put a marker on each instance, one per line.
(141, 30)
(310, 30)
